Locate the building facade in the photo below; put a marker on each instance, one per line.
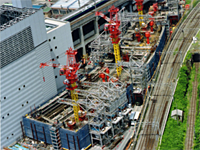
(24, 44)
(59, 43)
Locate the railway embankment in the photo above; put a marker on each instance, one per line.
(175, 130)
(192, 95)
(185, 134)
(196, 145)
(197, 121)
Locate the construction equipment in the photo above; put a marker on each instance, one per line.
(69, 71)
(113, 28)
(139, 4)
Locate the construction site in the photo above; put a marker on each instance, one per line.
(106, 86)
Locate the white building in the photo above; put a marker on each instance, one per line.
(24, 44)
(60, 39)
(177, 114)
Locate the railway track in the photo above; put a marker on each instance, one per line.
(163, 92)
(192, 112)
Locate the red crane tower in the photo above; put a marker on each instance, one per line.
(113, 28)
(69, 71)
(139, 4)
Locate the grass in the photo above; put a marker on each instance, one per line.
(175, 51)
(195, 2)
(175, 133)
(187, 1)
(198, 36)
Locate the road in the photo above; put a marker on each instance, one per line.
(127, 135)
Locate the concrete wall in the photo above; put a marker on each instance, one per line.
(35, 21)
(59, 43)
(22, 83)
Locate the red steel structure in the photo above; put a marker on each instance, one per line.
(69, 71)
(113, 28)
(139, 4)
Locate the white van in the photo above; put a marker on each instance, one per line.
(136, 117)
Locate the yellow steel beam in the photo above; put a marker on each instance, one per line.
(74, 96)
(140, 13)
(117, 58)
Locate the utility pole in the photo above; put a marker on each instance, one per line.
(79, 3)
(96, 17)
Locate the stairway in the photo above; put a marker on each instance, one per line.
(55, 138)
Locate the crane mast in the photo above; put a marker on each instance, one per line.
(69, 71)
(113, 28)
(72, 78)
(139, 4)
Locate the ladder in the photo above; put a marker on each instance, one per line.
(55, 138)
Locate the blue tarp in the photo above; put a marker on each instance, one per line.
(129, 93)
(37, 6)
(82, 134)
(155, 59)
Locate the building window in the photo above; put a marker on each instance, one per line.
(55, 76)
(54, 37)
(62, 12)
(7, 137)
(27, 102)
(53, 59)
(8, 114)
(4, 97)
(49, 40)
(57, 57)
(19, 89)
(55, 11)
(2, 117)
(51, 50)
(22, 105)
(24, 86)
(55, 47)
(12, 134)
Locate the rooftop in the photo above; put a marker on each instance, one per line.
(46, 9)
(10, 15)
(177, 112)
(52, 24)
(69, 4)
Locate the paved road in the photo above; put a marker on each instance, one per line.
(127, 135)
